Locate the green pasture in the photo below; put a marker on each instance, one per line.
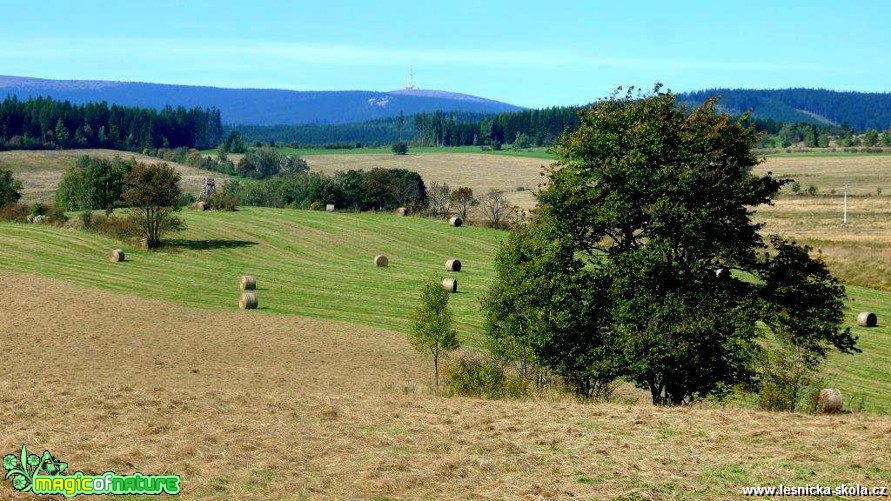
(307, 263)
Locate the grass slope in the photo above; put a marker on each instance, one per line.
(307, 263)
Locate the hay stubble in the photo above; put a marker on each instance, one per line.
(309, 409)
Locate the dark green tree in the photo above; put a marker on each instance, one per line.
(647, 210)
(400, 148)
(431, 329)
(10, 188)
(153, 195)
(871, 137)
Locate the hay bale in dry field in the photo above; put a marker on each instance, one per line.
(248, 301)
(456, 222)
(867, 319)
(381, 261)
(450, 284)
(248, 283)
(402, 211)
(117, 256)
(829, 401)
(453, 265)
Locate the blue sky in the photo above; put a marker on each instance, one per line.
(533, 54)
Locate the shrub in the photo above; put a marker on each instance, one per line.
(400, 148)
(315, 205)
(187, 199)
(20, 213)
(476, 376)
(223, 201)
(121, 228)
(16, 213)
(789, 379)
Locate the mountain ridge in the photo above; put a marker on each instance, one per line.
(255, 106)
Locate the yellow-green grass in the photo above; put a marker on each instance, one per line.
(275, 407)
(307, 263)
(41, 171)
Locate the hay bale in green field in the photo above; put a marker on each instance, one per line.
(450, 284)
(117, 256)
(248, 301)
(867, 319)
(402, 211)
(381, 261)
(453, 265)
(248, 283)
(456, 222)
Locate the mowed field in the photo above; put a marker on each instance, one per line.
(307, 263)
(252, 406)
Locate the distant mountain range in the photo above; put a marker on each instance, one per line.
(257, 106)
(858, 110)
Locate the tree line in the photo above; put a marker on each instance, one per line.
(44, 123)
(859, 110)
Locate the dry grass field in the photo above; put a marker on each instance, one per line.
(41, 171)
(865, 174)
(478, 171)
(255, 407)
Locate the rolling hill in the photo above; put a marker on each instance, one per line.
(256, 106)
(859, 110)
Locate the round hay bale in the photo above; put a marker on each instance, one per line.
(867, 319)
(402, 211)
(453, 265)
(381, 261)
(450, 284)
(248, 301)
(117, 256)
(248, 283)
(202, 205)
(456, 222)
(829, 401)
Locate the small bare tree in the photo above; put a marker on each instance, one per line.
(495, 208)
(438, 195)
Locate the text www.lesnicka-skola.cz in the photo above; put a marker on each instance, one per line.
(816, 490)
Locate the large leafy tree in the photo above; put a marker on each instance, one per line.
(644, 246)
(153, 194)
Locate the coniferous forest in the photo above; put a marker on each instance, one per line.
(44, 123)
